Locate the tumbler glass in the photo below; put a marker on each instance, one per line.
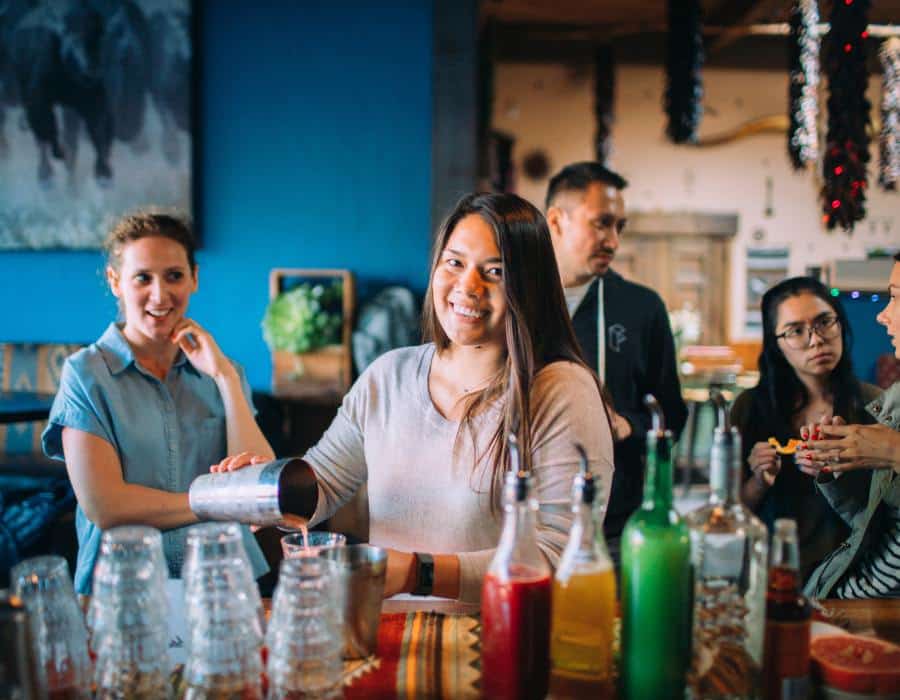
(57, 626)
(295, 545)
(305, 632)
(225, 615)
(127, 615)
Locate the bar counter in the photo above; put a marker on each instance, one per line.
(437, 655)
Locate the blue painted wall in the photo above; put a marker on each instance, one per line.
(870, 340)
(315, 136)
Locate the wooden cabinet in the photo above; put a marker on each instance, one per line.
(686, 258)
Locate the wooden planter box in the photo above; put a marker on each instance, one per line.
(322, 375)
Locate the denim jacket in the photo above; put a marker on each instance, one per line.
(855, 496)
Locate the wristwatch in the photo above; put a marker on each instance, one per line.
(424, 573)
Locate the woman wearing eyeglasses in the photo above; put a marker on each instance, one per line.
(805, 376)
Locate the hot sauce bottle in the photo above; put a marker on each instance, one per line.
(788, 615)
(515, 600)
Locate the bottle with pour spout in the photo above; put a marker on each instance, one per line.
(584, 599)
(729, 547)
(656, 581)
(515, 600)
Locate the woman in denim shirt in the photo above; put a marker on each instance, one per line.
(152, 403)
(857, 468)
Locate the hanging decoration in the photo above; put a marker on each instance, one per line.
(847, 143)
(803, 139)
(889, 141)
(487, 46)
(604, 100)
(684, 65)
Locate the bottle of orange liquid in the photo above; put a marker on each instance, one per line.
(584, 601)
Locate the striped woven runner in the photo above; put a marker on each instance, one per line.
(423, 655)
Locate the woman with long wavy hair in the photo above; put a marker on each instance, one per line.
(805, 374)
(426, 427)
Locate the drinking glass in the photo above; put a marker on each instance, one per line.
(225, 615)
(294, 545)
(305, 632)
(127, 615)
(57, 626)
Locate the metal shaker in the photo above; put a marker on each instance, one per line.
(283, 492)
(18, 669)
(366, 567)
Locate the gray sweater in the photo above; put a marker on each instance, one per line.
(424, 495)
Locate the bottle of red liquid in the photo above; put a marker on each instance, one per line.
(515, 600)
(788, 615)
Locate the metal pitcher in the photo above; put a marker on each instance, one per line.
(18, 670)
(283, 492)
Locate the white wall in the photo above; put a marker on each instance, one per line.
(551, 107)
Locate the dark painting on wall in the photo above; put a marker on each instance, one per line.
(95, 116)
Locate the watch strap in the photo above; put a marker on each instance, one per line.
(424, 574)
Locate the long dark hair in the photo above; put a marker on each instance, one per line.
(780, 394)
(538, 329)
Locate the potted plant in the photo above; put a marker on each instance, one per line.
(303, 327)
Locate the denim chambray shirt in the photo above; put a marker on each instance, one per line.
(165, 432)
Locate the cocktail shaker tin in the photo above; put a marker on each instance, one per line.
(282, 492)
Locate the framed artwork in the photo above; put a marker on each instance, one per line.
(765, 268)
(95, 116)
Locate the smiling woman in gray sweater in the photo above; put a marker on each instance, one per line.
(427, 427)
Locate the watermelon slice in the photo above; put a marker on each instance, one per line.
(856, 664)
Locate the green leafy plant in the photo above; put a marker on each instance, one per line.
(304, 318)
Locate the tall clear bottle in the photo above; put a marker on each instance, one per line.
(584, 600)
(515, 600)
(788, 616)
(729, 547)
(656, 581)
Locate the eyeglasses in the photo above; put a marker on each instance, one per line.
(799, 337)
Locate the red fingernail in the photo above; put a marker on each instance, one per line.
(826, 470)
(808, 455)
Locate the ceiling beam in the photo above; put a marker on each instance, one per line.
(759, 11)
(601, 33)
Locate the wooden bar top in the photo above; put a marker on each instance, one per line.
(875, 617)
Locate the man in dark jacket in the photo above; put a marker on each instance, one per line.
(623, 327)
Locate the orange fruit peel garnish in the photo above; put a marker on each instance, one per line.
(788, 449)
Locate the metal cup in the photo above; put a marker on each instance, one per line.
(366, 569)
(282, 492)
(18, 667)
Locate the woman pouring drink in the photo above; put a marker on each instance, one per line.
(427, 427)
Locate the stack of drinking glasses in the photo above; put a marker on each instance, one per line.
(57, 627)
(305, 635)
(224, 615)
(127, 616)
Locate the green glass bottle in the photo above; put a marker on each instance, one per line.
(656, 582)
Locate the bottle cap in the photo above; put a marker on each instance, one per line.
(517, 484)
(659, 420)
(786, 527)
(584, 490)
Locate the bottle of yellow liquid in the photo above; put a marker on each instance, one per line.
(584, 602)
